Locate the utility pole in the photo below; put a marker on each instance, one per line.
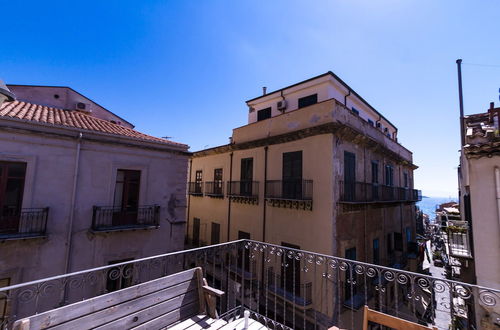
(461, 99)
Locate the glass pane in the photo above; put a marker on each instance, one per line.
(118, 194)
(17, 170)
(120, 176)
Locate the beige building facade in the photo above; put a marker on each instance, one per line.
(316, 168)
(479, 182)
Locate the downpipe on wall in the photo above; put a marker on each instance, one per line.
(497, 188)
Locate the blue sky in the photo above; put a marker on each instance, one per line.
(184, 68)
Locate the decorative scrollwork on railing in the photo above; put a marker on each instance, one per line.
(488, 298)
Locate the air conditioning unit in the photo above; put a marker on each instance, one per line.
(281, 105)
(83, 107)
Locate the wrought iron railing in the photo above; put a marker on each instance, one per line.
(339, 288)
(23, 223)
(106, 218)
(195, 188)
(286, 288)
(290, 189)
(214, 188)
(362, 192)
(248, 189)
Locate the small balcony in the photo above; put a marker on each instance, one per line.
(214, 189)
(362, 192)
(290, 193)
(243, 191)
(24, 223)
(111, 218)
(458, 239)
(195, 188)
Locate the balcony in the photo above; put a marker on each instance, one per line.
(243, 191)
(333, 289)
(296, 194)
(111, 218)
(195, 188)
(458, 239)
(214, 189)
(362, 192)
(26, 223)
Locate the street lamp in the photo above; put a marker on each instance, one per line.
(5, 93)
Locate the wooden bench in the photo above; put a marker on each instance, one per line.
(172, 300)
(370, 315)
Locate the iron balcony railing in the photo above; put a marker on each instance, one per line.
(339, 288)
(290, 189)
(105, 218)
(23, 223)
(248, 189)
(195, 188)
(214, 188)
(362, 192)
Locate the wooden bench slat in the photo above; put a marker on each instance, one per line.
(67, 313)
(165, 320)
(117, 311)
(147, 314)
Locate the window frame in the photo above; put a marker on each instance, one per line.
(307, 100)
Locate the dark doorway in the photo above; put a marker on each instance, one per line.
(349, 176)
(126, 201)
(290, 271)
(292, 175)
(246, 177)
(11, 195)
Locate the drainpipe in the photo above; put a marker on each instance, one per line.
(189, 202)
(69, 234)
(345, 98)
(265, 192)
(497, 187)
(229, 202)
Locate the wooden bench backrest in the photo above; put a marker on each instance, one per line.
(149, 305)
(390, 321)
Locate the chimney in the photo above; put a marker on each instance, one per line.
(264, 90)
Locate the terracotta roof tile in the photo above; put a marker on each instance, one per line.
(70, 118)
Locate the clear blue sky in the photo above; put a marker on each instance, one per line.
(185, 68)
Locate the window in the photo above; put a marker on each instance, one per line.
(246, 176)
(308, 100)
(292, 175)
(215, 239)
(376, 252)
(196, 231)
(290, 274)
(405, 179)
(119, 277)
(370, 122)
(374, 171)
(408, 234)
(378, 125)
(126, 199)
(218, 181)
(349, 176)
(389, 175)
(264, 114)
(197, 181)
(398, 241)
(11, 195)
(355, 111)
(4, 282)
(244, 256)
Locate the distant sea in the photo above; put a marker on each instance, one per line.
(428, 204)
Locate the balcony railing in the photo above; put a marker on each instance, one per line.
(24, 223)
(290, 189)
(299, 294)
(107, 218)
(214, 188)
(195, 188)
(249, 189)
(361, 192)
(339, 287)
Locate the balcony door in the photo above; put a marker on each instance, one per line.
(292, 175)
(246, 177)
(12, 176)
(126, 200)
(290, 271)
(349, 176)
